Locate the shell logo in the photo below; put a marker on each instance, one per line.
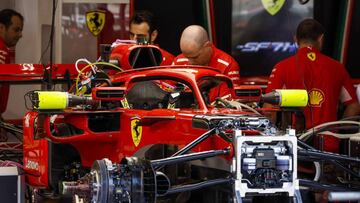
(316, 97)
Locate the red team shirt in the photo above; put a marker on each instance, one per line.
(221, 61)
(6, 56)
(326, 81)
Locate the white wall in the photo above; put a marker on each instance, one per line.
(6, 4)
(36, 13)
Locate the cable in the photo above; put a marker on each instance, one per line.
(336, 128)
(90, 65)
(48, 44)
(311, 131)
(351, 118)
(249, 108)
(6, 163)
(235, 104)
(342, 136)
(49, 85)
(43, 53)
(316, 163)
(84, 60)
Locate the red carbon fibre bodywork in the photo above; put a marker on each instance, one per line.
(31, 72)
(124, 54)
(159, 126)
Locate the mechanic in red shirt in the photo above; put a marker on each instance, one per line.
(143, 25)
(325, 79)
(11, 26)
(198, 50)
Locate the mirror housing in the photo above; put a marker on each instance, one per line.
(247, 93)
(108, 93)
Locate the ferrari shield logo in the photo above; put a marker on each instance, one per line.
(311, 56)
(95, 21)
(136, 130)
(272, 6)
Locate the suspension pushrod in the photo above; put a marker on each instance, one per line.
(188, 157)
(200, 185)
(192, 144)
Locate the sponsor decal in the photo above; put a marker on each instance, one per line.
(95, 21)
(27, 67)
(32, 165)
(136, 130)
(316, 97)
(125, 103)
(268, 46)
(311, 56)
(273, 6)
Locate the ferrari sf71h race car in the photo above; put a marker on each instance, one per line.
(159, 135)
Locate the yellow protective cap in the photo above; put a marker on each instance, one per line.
(51, 100)
(293, 97)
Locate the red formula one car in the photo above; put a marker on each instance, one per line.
(71, 142)
(159, 135)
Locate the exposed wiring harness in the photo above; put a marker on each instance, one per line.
(10, 163)
(323, 128)
(92, 65)
(233, 104)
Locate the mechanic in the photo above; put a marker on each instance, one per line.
(325, 79)
(11, 26)
(198, 50)
(143, 24)
(143, 28)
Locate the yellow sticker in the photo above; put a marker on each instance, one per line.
(95, 21)
(125, 103)
(311, 56)
(171, 106)
(316, 97)
(136, 130)
(272, 7)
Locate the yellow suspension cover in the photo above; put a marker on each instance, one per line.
(52, 100)
(293, 97)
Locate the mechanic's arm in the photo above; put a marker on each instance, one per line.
(352, 109)
(348, 96)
